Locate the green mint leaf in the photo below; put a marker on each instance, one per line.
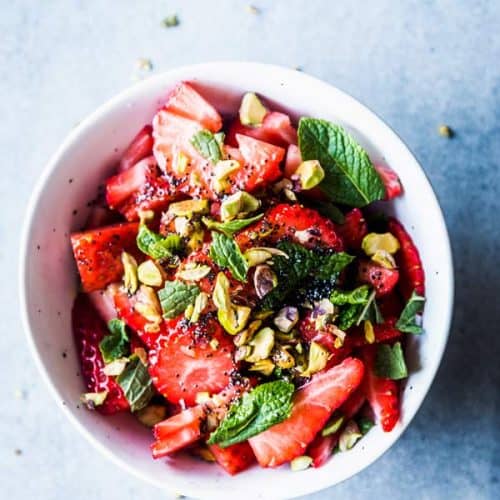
(407, 322)
(226, 254)
(364, 424)
(350, 177)
(136, 383)
(175, 297)
(207, 145)
(230, 227)
(358, 296)
(371, 311)
(390, 362)
(266, 405)
(332, 264)
(116, 344)
(155, 245)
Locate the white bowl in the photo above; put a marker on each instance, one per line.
(48, 279)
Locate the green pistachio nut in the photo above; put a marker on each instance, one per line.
(262, 343)
(310, 174)
(187, 208)
(286, 319)
(237, 204)
(264, 280)
(349, 436)
(194, 272)
(317, 359)
(150, 274)
(222, 170)
(151, 415)
(265, 366)
(301, 463)
(374, 242)
(252, 111)
(129, 272)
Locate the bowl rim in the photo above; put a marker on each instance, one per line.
(119, 99)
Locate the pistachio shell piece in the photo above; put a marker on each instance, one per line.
(238, 203)
(262, 343)
(349, 436)
(310, 174)
(194, 272)
(379, 241)
(129, 272)
(264, 280)
(301, 463)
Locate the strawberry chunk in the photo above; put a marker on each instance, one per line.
(393, 187)
(235, 458)
(354, 229)
(184, 363)
(98, 254)
(300, 224)
(88, 330)
(383, 280)
(292, 161)
(140, 147)
(381, 393)
(185, 101)
(408, 260)
(312, 406)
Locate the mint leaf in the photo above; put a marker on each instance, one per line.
(116, 344)
(232, 226)
(155, 245)
(226, 254)
(266, 405)
(136, 383)
(407, 322)
(390, 362)
(350, 177)
(208, 145)
(352, 305)
(175, 297)
(331, 264)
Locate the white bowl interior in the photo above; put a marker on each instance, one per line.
(49, 281)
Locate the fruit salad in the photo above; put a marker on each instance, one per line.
(240, 293)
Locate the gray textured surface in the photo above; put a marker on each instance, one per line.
(417, 64)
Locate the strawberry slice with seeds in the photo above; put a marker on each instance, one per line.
(235, 458)
(191, 358)
(140, 147)
(408, 260)
(88, 330)
(393, 187)
(312, 406)
(354, 229)
(383, 280)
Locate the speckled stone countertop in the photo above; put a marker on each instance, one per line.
(416, 63)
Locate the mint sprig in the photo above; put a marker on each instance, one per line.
(407, 322)
(208, 145)
(136, 383)
(226, 253)
(116, 344)
(176, 297)
(390, 362)
(155, 245)
(232, 226)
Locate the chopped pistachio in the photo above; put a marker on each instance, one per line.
(317, 359)
(310, 174)
(237, 204)
(282, 358)
(129, 272)
(183, 226)
(195, 241)
(150, 273)
(200, 304)
(115, 367)
(220, 296)
(369, 332)
(144, 64)
(171, 21)
(189, 312)
(264, 280)
(385, 259)
(299, 348)
(264, 366)
(180, 163)
(246, 335)
(256, 256)
(262, 314)
(148, 305)
(281, 185)
(373, 242)
(349, 436)
(445, 131)
(333, 425)
(242, 352)
(222, 170)
(194, 272)
(290, 194)
(187, 208)
(151, 415)
(262, 343)
(252, 111)
(286, 319)
(235, 319)
(301, 463)
(93, 399)
(202, 397)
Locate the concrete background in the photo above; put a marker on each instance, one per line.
(417, 64)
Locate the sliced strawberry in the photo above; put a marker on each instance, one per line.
(98, 254)
(383, 280)
(408, 259)
(393, 187)
(235, 458)
(303, 225)
(312, 406)
(390, 305)
(292, 161)
(140, 147)
(185, 101)
(88, 330)
(382, 394)
(354, 229)
(183, 363)
(276, 129)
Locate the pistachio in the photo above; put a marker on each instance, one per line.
(237, 204)
(246, 335)
(220, 296)
(281, 185)
(290, 194)
(262, 343)
(310, 174)
(265, 366)
(189, 311)
(114, 368)
(180, 163)
(385, 259)
(299, 348)
(301, 463)
(93, 399)
(242, 353)
(150, 273)
(283, 358)
(151, 415)
(333, 424)
(202, 397)
(255, 256)
(264, 280)
(187, 208)
(234, 319)
(317, 359)
(183, 226)
(129, 272)
(262, 314)
(349, 436)
(222, 170)
(369, 331)
(200, 303)
(195, 241)
(323, 313)
(376, 241)
(194, 272)
(252, 111)
(147, 304)
(286, 319)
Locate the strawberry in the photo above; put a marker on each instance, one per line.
(185, 101)
(88, 330)
(381, 393)
(390, 305)
(408, 260)
(393, 187)
(292, 161)
(98, 253)
(354, 229)
(183, 363)
(235, 458)
(140, 147)
(303, 225)
(382, 279)
(312, 406)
